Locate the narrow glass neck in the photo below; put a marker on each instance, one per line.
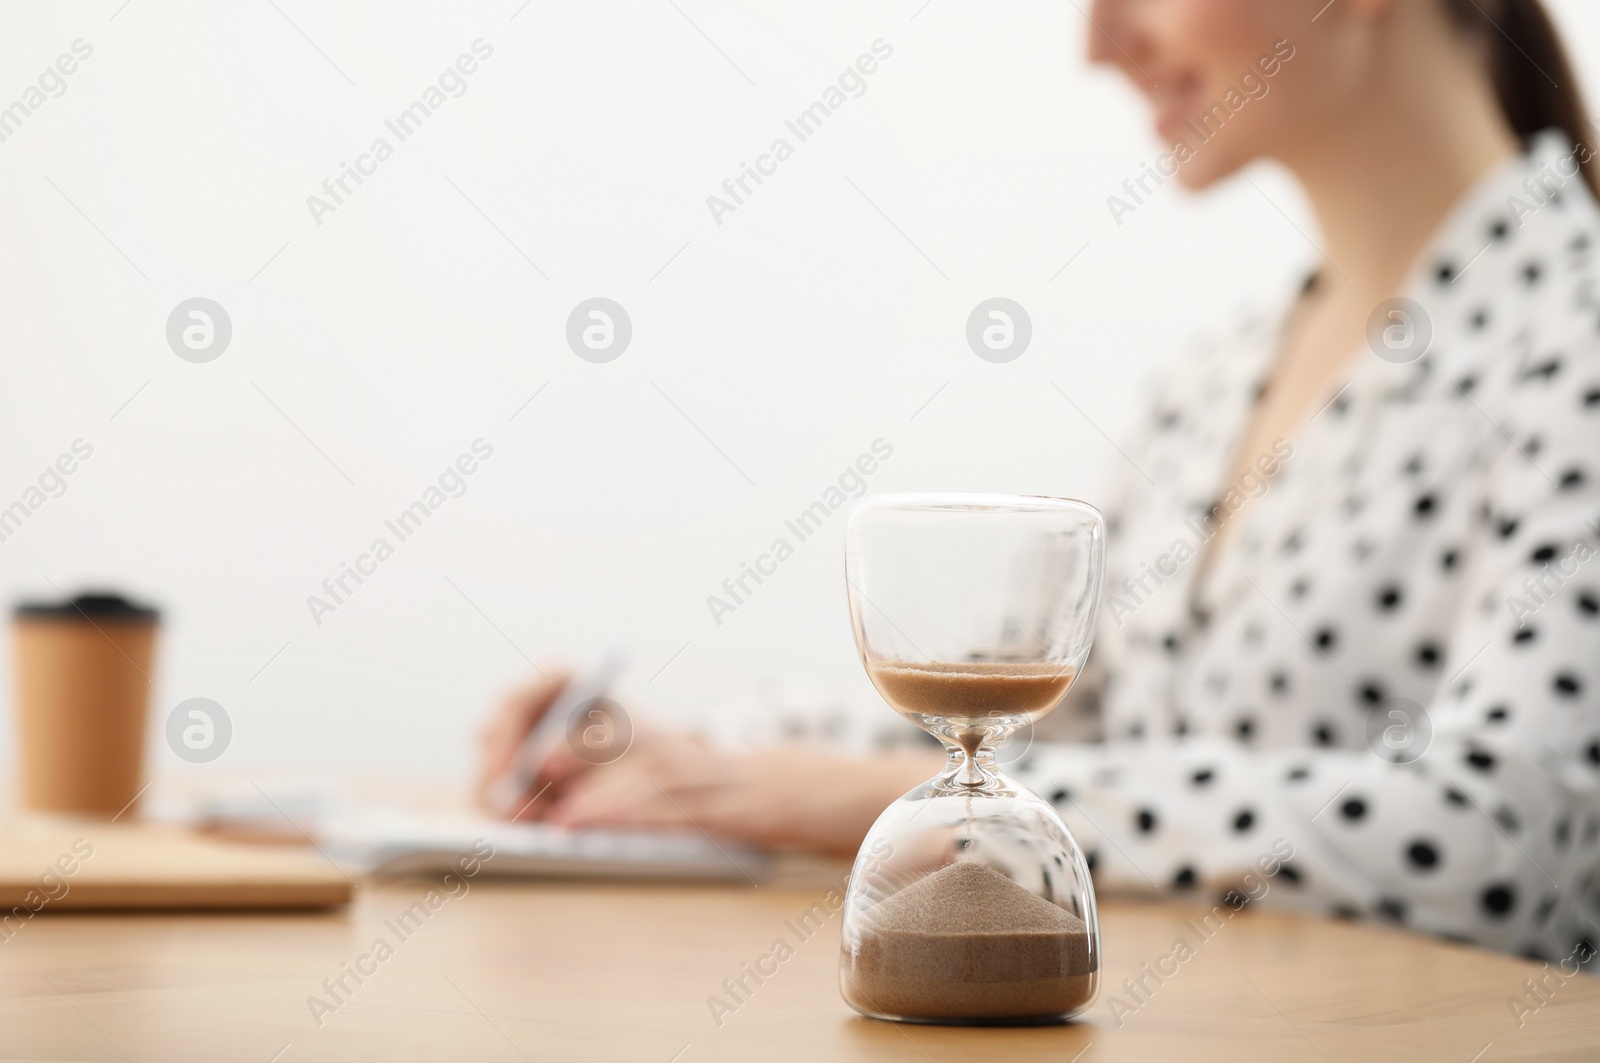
(970, 771)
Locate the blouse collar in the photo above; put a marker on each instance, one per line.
(1529, 196)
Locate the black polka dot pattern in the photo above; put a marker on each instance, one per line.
(1392, 666)
(1422, 855)
(1498, 900)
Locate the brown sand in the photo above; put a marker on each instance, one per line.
(972, 691)
(967, 943)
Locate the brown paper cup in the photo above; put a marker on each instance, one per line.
(83, 673)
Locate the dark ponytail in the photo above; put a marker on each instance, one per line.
(1532, 77)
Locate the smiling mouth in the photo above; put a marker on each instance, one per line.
(1175, 100)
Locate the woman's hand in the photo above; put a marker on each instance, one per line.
(516, 716)
(782, 796)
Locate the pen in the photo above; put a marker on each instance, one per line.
(552, 727)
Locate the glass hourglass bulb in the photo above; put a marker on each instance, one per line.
(970, 901)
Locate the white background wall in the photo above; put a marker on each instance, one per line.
(405, 326)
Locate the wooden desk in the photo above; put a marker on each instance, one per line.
(612, 972)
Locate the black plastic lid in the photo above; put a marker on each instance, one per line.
(95, 605)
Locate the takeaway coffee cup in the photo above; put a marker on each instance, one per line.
(83, 671)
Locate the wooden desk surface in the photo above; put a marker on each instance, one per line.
(623, 972)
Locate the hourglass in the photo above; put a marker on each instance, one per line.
(970, 901)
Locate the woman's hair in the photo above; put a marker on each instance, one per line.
(1532, 77)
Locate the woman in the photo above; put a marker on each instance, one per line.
(1351, 601)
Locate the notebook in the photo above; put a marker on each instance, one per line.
(52, 867)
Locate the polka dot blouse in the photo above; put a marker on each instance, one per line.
(1394, 665)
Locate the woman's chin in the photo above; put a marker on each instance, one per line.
(1194, 178)
(1202, 171)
